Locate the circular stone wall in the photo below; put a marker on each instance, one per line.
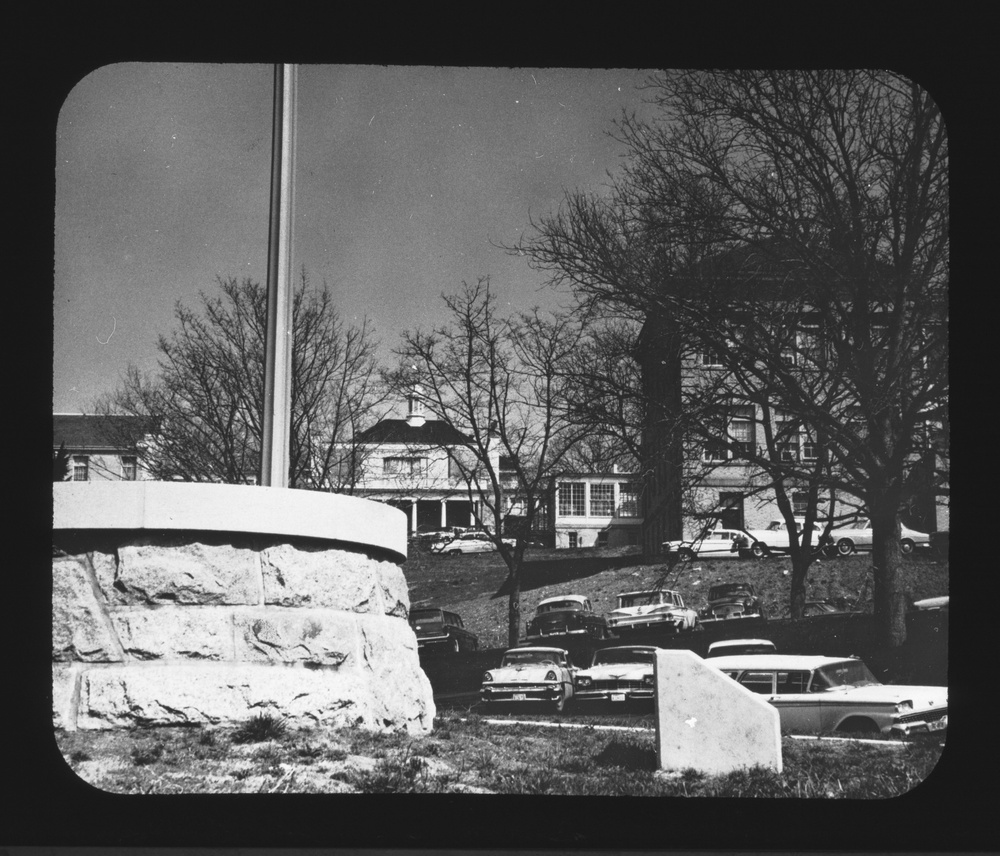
(195, 603)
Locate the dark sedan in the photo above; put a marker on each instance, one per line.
(440, 630)
(568, 614)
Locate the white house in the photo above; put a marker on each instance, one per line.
(96, 448)
(410, 464)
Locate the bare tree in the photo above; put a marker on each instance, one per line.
(499, 381)
(208, 393)
(796, 222)
(837, 181)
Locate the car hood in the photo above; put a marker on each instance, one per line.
(527, 674)
(922, 697)
(626, 671)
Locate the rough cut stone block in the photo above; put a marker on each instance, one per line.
(389, 649)
(172, 632)
(313, 637)
(320, 577)
(707, 721)
(63, 688)
(81, 629)
(105, 568)
(232, 693)
(395, 592)
(189, 573)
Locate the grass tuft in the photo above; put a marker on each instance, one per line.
(257, 729)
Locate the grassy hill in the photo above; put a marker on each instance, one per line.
(473, 585)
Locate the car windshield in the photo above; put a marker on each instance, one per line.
(627, 655)
(646, 598)
(426, 616)
(848, 673)
(559, 606)
(730, 590)
(726, 650)
(521, 658)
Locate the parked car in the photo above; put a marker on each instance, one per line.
(425, 540)
(813, 608)
(849, 539)
(716, 544)
(641, 610)
(566, 614)
(729, 647)
(732, 600)
(622, 673)
(932, 604)
(819, 694)
(441, 630)
(531, 674)
(468, 542)
(774, 539)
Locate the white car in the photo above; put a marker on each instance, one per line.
(536, 674)
(642, 610)
(717, 544)
(731, 647)
(468, 542)
(847, 540)
(775, 538)
(816, 694)
(618, 674)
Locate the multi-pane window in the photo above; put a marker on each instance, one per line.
(129, 468)
(572, 539)
(81, 468)
(628, 500)
(602, 500)
(715, 451)
(786, 438)
(403, 466)
(709, 357)
(800, 501)
(810, 449)
(571, 502)
(741, 430)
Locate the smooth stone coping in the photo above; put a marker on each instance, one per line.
(276, 511)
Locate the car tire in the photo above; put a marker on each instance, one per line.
(845, 546)
(686, 554)
(759, 551)
(454, 553)
(906, 546)
(559, 705)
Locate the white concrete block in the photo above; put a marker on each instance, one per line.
(708, 722)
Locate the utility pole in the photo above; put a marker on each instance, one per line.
(274, 462)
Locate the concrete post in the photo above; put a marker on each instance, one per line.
(707, 721)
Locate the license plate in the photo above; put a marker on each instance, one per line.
(519, 697)
(617, 696)
(937, 725)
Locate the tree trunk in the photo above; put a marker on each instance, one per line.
(514, 607)
(889, 603)
(800, 568)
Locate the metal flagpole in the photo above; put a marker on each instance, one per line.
(278, 343)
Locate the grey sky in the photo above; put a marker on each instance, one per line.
(404, 176)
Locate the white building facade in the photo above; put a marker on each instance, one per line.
(595, 510)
